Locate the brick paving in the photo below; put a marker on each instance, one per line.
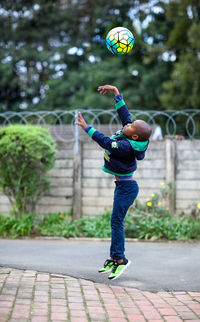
(30, 296)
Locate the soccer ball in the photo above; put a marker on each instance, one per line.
(119, 40)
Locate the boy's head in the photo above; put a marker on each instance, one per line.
(138, 130)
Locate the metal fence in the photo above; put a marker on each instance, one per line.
(174, 122)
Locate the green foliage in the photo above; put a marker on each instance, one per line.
(44, 67)
(62, 224)
(157, 204)
(96, 227)
(182, 90)
(148, 220)
(26, 154)
(152, 219)
(140, 226)
(58, 224)
(16, 227)
(136, 226)
(69, 60)
(155, 227)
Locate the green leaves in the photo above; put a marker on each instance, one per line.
(96, 227)
(58, 224)
(53, 54)
(171, 228)
(26, 154)
(182, 90)
(16, 227)
(136, 226)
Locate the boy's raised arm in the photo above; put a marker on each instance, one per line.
(103, 140)
(120, 105)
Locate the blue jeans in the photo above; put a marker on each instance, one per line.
(124, 195)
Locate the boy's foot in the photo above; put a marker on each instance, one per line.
(118, 269)
(108, 265)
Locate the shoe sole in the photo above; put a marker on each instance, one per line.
(125, 267)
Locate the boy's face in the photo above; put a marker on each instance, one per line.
(130, 130)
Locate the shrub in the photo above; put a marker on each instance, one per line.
(17, 227)
(136, 226)
(96, 227)
(26, 153)
(58, 224)
(152, 219)
(171, 228)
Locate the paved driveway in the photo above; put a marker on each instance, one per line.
(156, 266)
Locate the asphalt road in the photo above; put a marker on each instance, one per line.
(156, 266)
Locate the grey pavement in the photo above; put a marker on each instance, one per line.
(156, 266)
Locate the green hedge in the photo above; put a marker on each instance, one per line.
(26, 153)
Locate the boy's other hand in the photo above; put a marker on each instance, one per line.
(80, 121)
(108, 88)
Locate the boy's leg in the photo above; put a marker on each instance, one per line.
(124, 195)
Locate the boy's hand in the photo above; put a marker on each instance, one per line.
(108, 88)
(80, 121)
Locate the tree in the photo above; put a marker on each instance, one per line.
(55, 45)
(30, 37)
(182, 91)
(139, 75)
(54, 54)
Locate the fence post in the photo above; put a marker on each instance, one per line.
(77, 175)
(170, 172)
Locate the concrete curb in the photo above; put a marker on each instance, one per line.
(94, 239)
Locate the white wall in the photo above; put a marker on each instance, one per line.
(97, 187)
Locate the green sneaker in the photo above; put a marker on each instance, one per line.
(118, 269)
(108, 265)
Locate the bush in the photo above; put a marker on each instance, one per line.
(95, 227)
(26, 153)
(141, 227)
(58, 224)
(154, 227)
(152, 219)
(16, 227)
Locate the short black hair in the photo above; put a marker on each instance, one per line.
(144, 130)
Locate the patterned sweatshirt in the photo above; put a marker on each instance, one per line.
(121, 153)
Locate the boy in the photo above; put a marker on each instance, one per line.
(121, 152)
